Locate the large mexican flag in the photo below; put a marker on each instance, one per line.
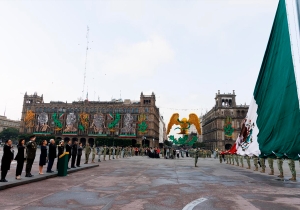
(272, 126)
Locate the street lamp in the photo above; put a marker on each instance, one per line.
(153, 143)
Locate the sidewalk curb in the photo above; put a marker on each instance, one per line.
(25, 180)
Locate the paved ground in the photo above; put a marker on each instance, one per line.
(142, 183)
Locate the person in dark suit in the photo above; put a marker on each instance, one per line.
(74, 154)
(51, 155)
(7, 157)
(69, 149)
(43, 156)
(61, 149)
(20, 158)
(79, 153)
(31, 152)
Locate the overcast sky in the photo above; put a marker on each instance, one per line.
(183, 51)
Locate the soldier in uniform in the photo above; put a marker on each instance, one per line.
(100, 153)
(61, 149)
(236, 159)
(263, 164)
(248, 162)
(31, 151)
(241, 160)
(109, 152)
(93, 153)
(117, 152)
(196, 156)
(220, 156)
(270, 162)
(104, 152)
(292, 168)
(279, 164)
(87, 152)
(113, 152)
(255, 161)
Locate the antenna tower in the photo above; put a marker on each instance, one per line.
(86, 53)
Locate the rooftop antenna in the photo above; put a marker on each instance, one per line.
(86, 53)
(120, 94)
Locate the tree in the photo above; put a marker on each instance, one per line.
(9, 133)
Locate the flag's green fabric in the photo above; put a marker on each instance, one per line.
(275, 98)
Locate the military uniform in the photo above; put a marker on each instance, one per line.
(93, 154)
(220, 157)
(104, 152)
(31, 152)
(100, 153)
(236, 159)
(242, 160)
(248, 162)
(270, 162)
(109, 153)
(255, 161)
(263, 164)
(87, 153)
(279, 164)
(292, 168)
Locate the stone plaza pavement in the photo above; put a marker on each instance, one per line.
(143, 183)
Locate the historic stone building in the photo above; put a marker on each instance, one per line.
(222, 124)
(87, 120)
(7, 123)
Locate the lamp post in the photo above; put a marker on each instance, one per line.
(153, 142)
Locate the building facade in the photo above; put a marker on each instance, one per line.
(162, 130)
(222, 124)
(7, 123)
(85, 121)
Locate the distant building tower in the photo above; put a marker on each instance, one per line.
(225, 114)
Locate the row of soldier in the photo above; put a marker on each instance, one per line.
(239, 161)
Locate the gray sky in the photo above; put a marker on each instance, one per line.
(183, 51)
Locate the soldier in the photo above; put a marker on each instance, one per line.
(292, 168)
(220, 156)
(204, 153)
(113, 152)
(104, 152)
(93, 153)
(255, 161)
(236, 159)
(87, 153)
(232, 158)
(263, 164)
(270, 162)
(109, 152)
(279, 164)
(242, 160)
(117, 152)
(196, 157)
(226, 157)
(229, 158)
(31, 151)
(100, 153)
(248, 162)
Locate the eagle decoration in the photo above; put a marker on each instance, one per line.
(184, 124)
(228, 129)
